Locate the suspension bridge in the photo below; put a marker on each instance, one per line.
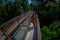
(23, 27)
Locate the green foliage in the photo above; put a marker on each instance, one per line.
(52, 32)
(49, 11)
(10, 10)
(0, 1)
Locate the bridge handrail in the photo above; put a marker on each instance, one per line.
(10, 20)
(39, 37)
(17, 18)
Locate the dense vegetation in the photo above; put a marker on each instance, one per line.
(9, 9)
(49, 16)
(48, 13)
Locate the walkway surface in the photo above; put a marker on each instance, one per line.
(30, 33)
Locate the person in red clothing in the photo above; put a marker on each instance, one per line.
(33, 18)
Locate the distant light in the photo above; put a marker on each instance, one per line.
(29, 1)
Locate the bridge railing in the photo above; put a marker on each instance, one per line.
(21, 32)
(39, 37)
(9, 26)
